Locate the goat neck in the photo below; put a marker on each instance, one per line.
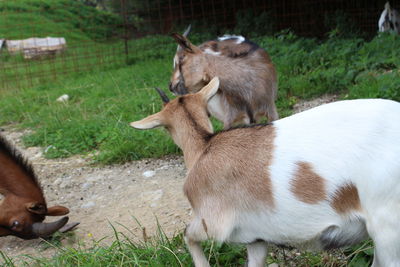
(192, 131)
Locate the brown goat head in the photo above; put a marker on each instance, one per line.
(193, 112)
(23, 207)
(23, 218)
(189, 74)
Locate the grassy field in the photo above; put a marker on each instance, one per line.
(84, 28)
(104, 102)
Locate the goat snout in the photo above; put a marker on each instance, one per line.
(178, 89)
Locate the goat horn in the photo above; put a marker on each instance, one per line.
(47, 229)
(185, 34)
(164, 97)
(187, 30)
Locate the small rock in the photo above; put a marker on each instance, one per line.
(93, 178)
(58, 181)
(273, 265)
(86, 185)
(88, 205)
(149, 174)
(158, 194)
(63, 98)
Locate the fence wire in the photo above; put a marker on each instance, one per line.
(111, 43)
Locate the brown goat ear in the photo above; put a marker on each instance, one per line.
(4, 231)
(185, 44)
(57, 211)
(150, 122)
(210, 89)
(36, 208)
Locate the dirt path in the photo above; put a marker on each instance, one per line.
(98, 196)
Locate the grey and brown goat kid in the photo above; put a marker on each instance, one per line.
(325, 178)
(248, 82)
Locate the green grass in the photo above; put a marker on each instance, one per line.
(97, 115)
(20, 19)
(161, 250)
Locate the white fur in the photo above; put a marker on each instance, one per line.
(175, 61)
(356, 142)
(211, 52)
(215, 107)
(382, 20)
(256, 254)
(240, 39)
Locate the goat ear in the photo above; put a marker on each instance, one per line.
(210, 89)
(57, 211)
(185, 44)
(150, 122)
(4, 231)
(36, 208)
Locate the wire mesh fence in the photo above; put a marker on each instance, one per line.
(103, 34)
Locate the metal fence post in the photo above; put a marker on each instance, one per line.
(125, 18)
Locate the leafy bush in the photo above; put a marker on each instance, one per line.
(340, 24)
(376, 85)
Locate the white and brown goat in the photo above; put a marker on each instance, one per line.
(325, 178)
(248, 82)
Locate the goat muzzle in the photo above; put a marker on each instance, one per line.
(179, 88)
(47, 229)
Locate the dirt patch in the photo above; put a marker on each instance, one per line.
(148, 190)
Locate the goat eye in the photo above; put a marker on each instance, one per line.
(15, 224)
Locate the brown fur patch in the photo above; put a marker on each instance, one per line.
(307, 185)
(234, 168)
(16, 174)
(346, 199)
(203, 132)
(8, 151)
